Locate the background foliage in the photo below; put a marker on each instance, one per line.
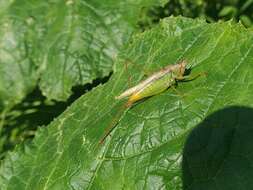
(211, 10)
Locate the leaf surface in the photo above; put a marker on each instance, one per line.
(158, 143)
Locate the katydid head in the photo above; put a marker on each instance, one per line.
(180, 69)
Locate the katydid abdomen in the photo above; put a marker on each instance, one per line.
(153, 88)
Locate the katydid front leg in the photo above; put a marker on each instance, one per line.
(191, 77)
(187, 78)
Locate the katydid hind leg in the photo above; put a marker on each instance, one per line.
(140, 68)
(129, 77)
(115, 121)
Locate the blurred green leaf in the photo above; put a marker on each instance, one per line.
(228, 11)
(145, 150)
(246, 5)
(245, 20)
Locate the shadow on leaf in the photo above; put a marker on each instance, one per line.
(218, 153)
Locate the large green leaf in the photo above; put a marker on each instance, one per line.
(146, 149)
(62, 43)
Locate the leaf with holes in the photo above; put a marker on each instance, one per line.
(192, 140)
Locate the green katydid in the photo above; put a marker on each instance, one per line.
(154, 84)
